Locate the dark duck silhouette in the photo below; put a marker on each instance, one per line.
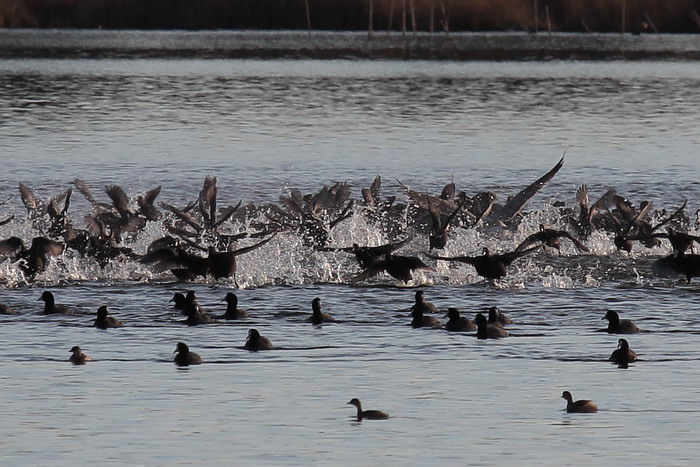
(104, 321)
(319, 317)
(7, 310)
(619, 326)
(232, 310)
(257, 342)
(32, 260)
(179, 302)
(498, 318)
(194, 312)
(485, 330)
(368, 414)
(50, 306)
(423, 305)
(487, 265)
(678, 263)
(457, 322)
(422, 321)
(78, 357)
(184, 357)
(580, 406)
(623, 355)
(398, 267)
(551, 238)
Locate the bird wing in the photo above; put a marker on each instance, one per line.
(30, 201)
(668, 266)
(509, 257)
(516, 203)
(677, 213)
(574, 240)
(119, 198)
(248, 249)
(371, 271)
(461, 259)
(11, 246)
(529, 240)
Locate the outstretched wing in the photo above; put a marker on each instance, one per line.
(516, 203)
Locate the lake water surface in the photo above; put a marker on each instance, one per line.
(265, 127)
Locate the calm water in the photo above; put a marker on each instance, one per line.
(265, 127)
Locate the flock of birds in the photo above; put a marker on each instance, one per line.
(200, 241)
(422, 311)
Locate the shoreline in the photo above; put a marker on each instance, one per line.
(225, 44)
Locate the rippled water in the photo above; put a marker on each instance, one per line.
(265, 127)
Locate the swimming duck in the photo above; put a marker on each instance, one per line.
(457, 322)
(232, 310)
(422, 321)
(368, 414)
(623, 355)
(318, 316)
(580, 406)
(498, 318)
(78, 357)
(184, 357)
(488, 331)
(398, 267)
(619, 326)
(488, 265)
(6, 310)
(423, 305)
(104, 321)
(50, 306)
(179, 300)
(257, 342)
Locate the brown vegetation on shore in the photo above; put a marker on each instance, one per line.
(671, 16)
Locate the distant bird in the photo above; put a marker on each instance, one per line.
(50, 306)
(32, 260)
(496, 317)
(368, 414)
(104, 321)
(398, 267)
(487, 265)
(488, 331)
(457, 322)
(6, 310)
(232, 310)
(423, 305)
(318, 316)
(580, 406)
(551, 238)
(422, 321)
(78, 357)
(677, 263)
(257, 342)
(619, 326)
(623, 355)
(184, 357)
